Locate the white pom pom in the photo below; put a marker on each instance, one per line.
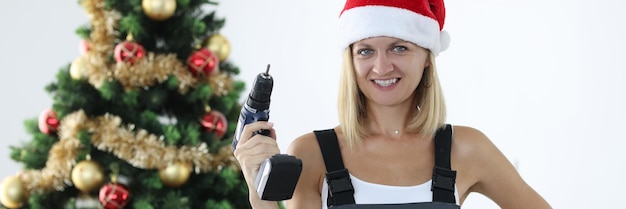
(444, 40)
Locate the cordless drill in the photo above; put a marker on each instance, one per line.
(279, 174)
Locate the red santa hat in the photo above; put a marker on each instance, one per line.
(416, 21)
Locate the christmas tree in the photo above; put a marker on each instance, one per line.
(144, 118)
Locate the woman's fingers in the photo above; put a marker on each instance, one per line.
(249, 130)
(253, 149)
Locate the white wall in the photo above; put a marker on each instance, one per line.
(544, 79)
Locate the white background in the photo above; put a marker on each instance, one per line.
(544, 79)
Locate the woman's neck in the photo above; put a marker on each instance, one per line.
(389, 120)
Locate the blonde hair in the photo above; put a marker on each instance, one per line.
(352, 106)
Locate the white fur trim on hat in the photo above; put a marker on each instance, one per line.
(444, 40)
(371, 21)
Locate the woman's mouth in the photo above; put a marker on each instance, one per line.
(387, 82)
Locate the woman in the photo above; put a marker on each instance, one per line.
(392, 148)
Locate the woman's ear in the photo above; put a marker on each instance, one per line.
(427, 62)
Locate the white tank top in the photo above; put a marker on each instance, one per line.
(370, 193)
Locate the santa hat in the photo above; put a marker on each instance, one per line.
(416, 21)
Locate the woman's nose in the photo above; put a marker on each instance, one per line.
(382, 64)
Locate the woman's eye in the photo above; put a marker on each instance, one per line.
(365, 51)
(399, 48)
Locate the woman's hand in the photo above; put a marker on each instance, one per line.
(252, 149)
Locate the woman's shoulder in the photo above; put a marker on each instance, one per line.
(306, 144)
(306, 148)
(471, 144)
(468, 136)
(486, 170)
(303, 144)
(467, 132)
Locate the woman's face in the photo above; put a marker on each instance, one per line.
(388, 70)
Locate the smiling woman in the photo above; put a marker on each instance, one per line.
(392, 147)
(387, 70)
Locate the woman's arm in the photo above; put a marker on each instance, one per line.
(307, 192)
(496, 177)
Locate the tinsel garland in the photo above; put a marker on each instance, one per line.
(138, 147)
(153, 68)
(145, 72)
(103, 24)
(221, 83)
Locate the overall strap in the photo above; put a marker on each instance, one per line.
(340, 190)
(444, 177)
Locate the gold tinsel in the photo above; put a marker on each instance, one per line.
(61, 159)
(221, 83)
(139, 148)
(148, 151)
(152, 68)
(103, 24)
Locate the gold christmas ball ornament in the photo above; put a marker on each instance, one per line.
(12, 192)
(175, 174)
(78, 69)
(87, 175)
(219, 45)
(159, 9)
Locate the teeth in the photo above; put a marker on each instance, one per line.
(386, 83)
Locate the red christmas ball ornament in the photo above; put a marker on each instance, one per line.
(215, 122)
(129, 52)
(203, 61)
(48, 121)
(114, 196)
